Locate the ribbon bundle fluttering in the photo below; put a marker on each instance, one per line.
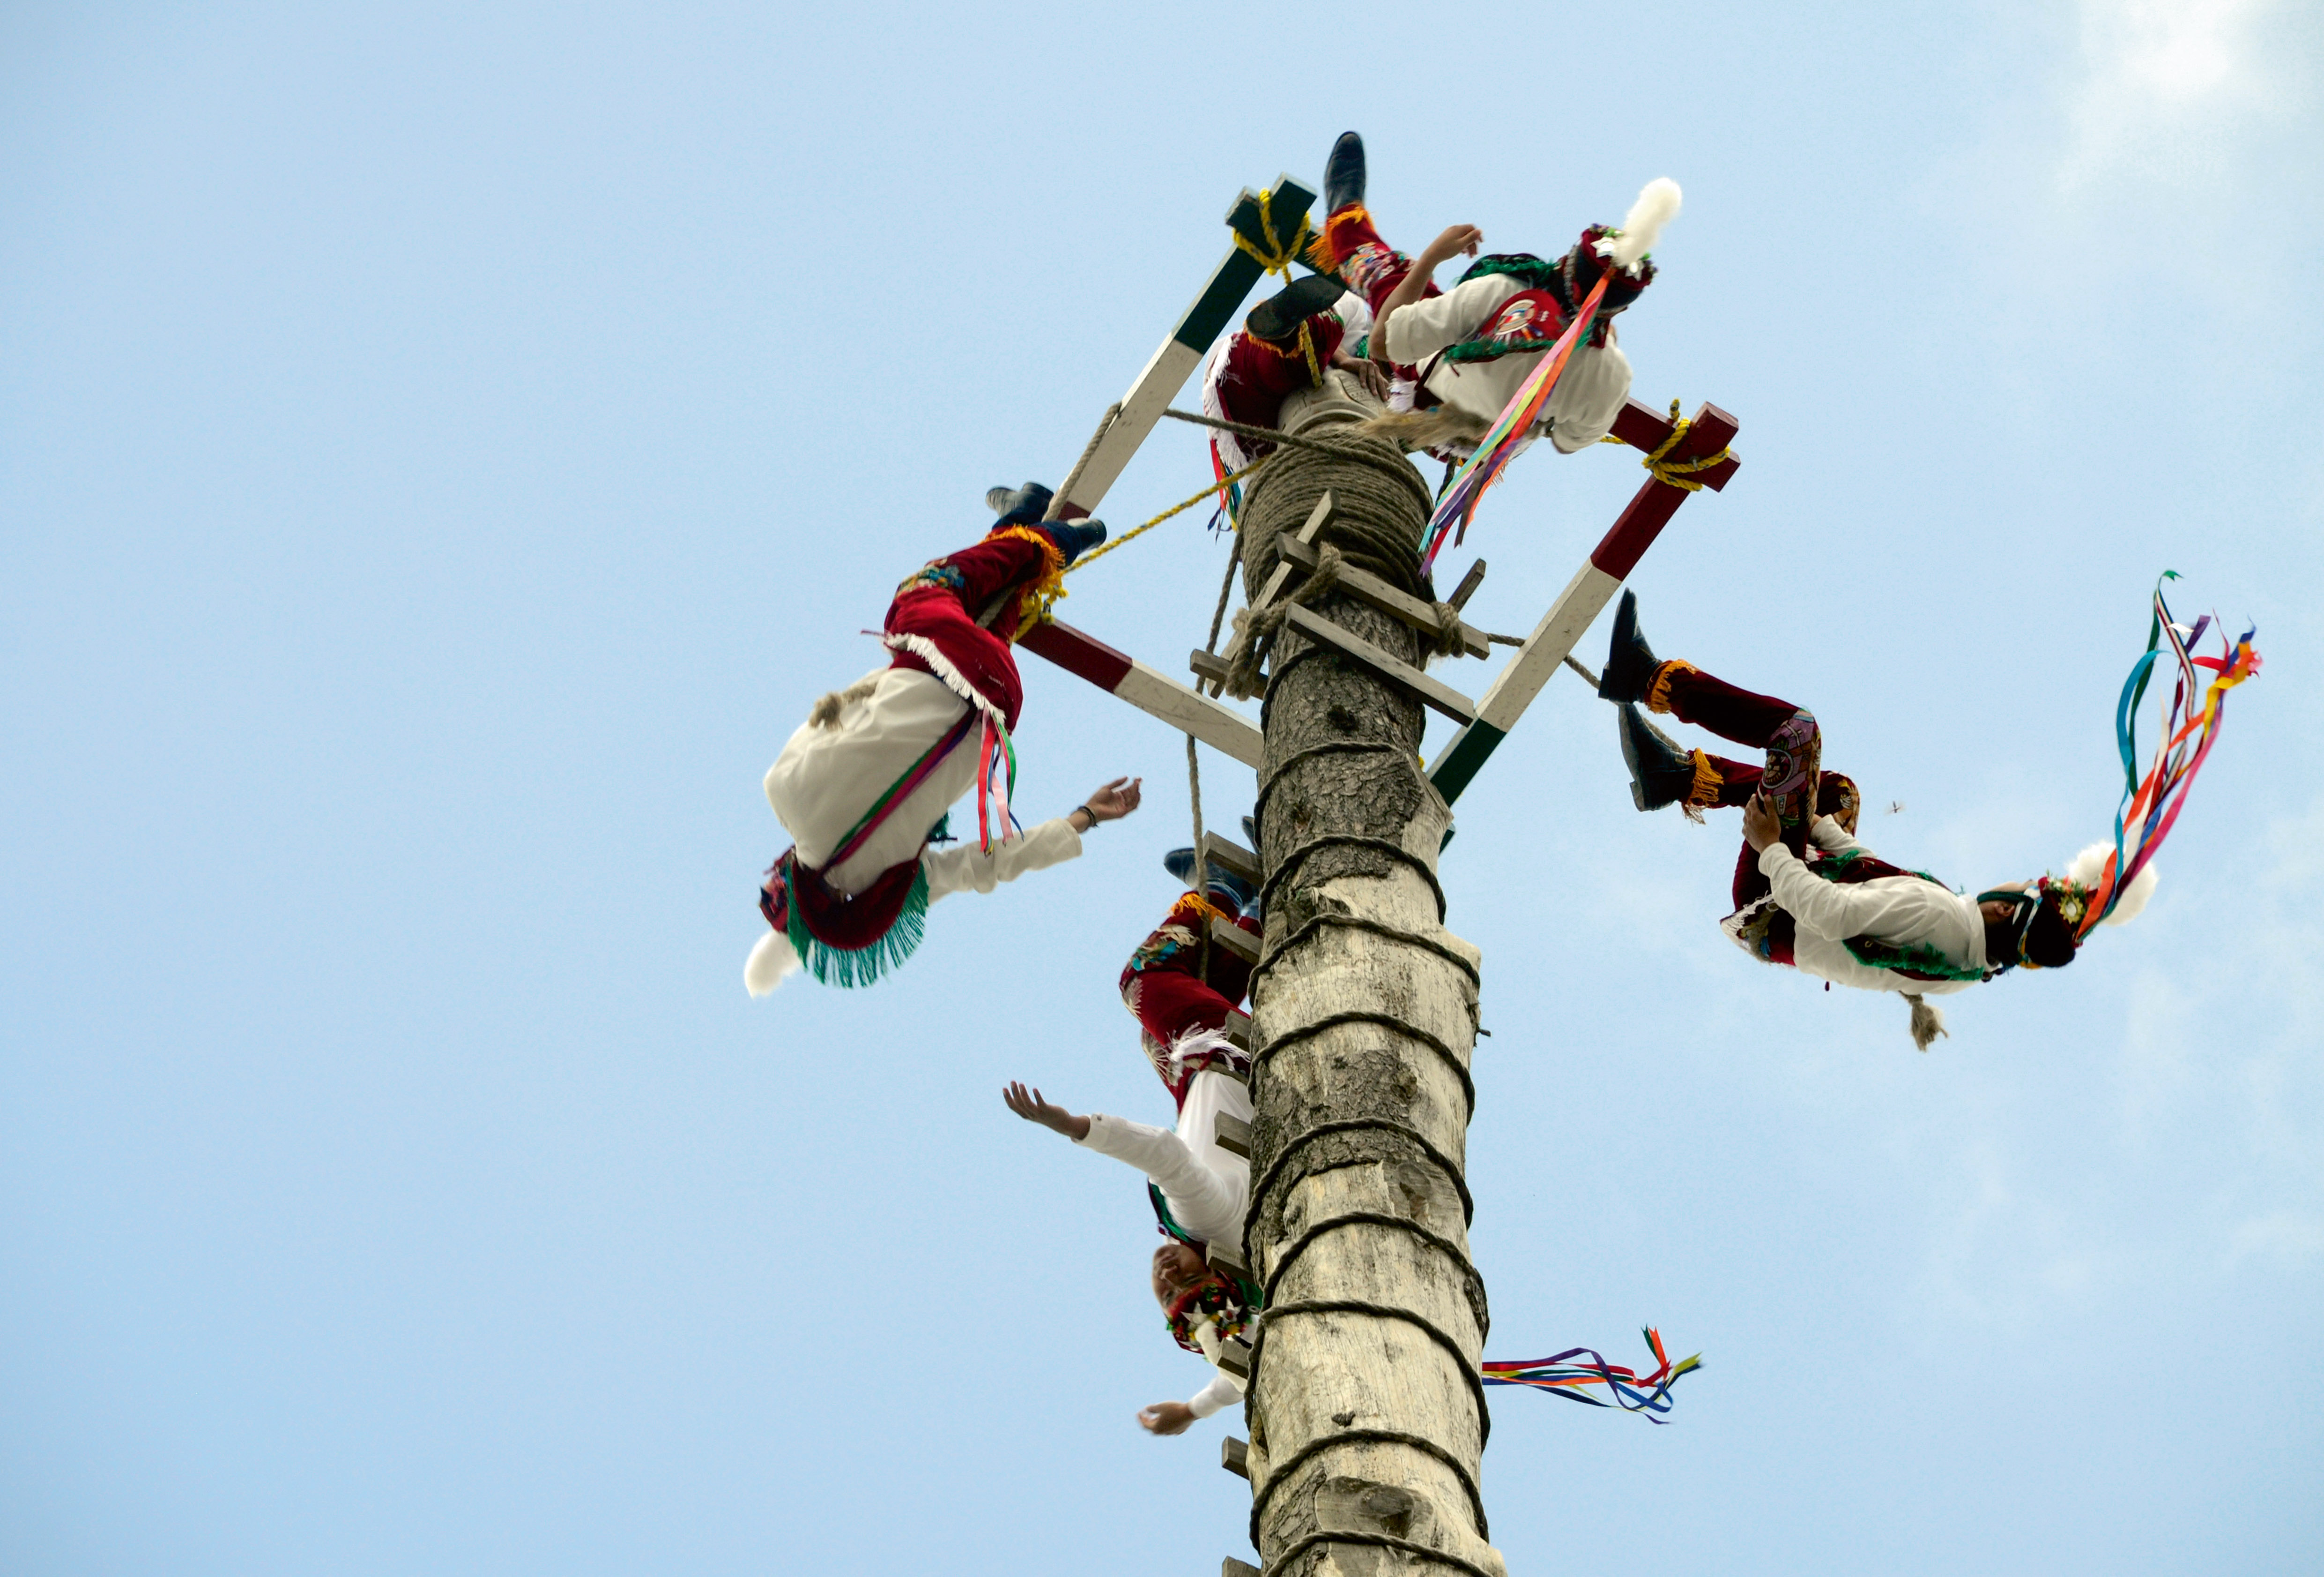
(1597, 1383)
(1508, 434)
(2189, 727)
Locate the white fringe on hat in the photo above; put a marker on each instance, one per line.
(773, 962)
(2088, 866)
(1642, 226)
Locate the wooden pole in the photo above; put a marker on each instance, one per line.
(1367, 1417)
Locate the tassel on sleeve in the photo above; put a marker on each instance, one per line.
(1928, 1023)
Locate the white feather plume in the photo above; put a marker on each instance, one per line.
(1642, 226)
(772, 961)
(2088, 866)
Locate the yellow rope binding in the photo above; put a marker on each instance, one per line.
(1221, 485)
(1280, 260)
(1678, 473)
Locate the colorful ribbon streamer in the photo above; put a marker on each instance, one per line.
(1507, 435)
(1597, 1383)
(996, 781)
(2152, 804)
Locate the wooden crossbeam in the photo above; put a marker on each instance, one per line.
(1118, 674)
(1235, 1457)
(1593, 586)
(1167, 372)
(1235, 940)
(1233, 1135)
(1369, 588)
(1433, 694)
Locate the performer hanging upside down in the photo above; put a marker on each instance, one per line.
(1834, 910)
(866, 784)
(1465, 352)
(1197, 1189)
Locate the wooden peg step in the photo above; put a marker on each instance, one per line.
(1235, 1457)
(1234, 1357)
(1234, 1568)
(1227, 1257)
(1436, 696)
(1209, 667)
(1307, 534)
(1366, 587)
(1235, 940)
(1230, 857)
(1238, 1029)
(1233, 1135)
(1468, 585)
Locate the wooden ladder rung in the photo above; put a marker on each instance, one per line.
(1233, 1135)
(1235, 1457)
(1227, 1257)
(1234, 1568)
(1439, 697)
(1369, 588)
(1305, 534)
(1209, 668)
(1237, 1029)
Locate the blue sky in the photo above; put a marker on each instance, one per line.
(443, 450)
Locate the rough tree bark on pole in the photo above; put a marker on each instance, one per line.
(1366, 1415)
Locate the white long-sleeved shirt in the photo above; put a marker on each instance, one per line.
(1903, 909)
(1204, 1187)
(1582, 408)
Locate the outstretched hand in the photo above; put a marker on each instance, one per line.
(1029, 1105)
(1761, 826)
(1115, 800)
(1167, 1418)
(1456, 241)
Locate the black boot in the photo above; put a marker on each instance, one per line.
(1229, 891)
(1344, 173)
(1277, 319)
(1018, 506)
(1630, 662)
(1660, 773)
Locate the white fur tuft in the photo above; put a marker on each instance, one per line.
(1642, 226)
(2088, 866)
(773, 960)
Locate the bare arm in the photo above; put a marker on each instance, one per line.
(1453, 243)
(1111, 802)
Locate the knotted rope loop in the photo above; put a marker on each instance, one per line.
(1678, 473)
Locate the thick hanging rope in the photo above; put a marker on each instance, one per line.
(1243, 429)
(1058, 502)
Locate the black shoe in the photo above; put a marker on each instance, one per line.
(1277, 319)
(1072, 537)
(1660, 773)
(1630, 662)
(1228, 891)
(1344, 173)
(1018, 506)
